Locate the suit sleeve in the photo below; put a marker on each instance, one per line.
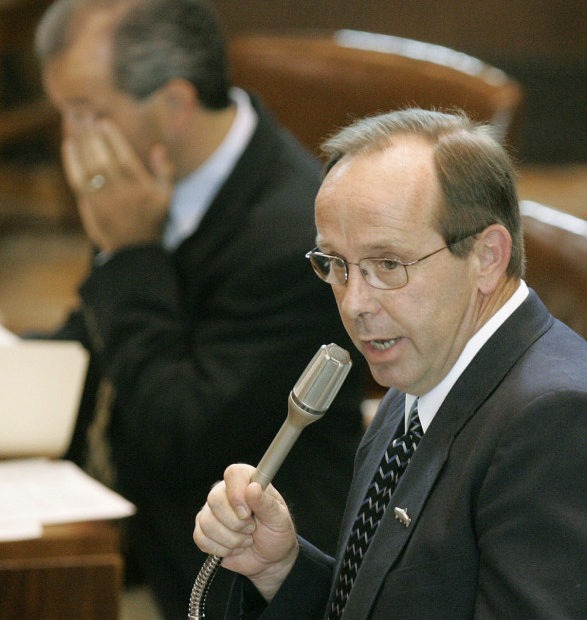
(303, 595)
(180, 378)
(532, 530)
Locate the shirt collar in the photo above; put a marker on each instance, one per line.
(429, 403)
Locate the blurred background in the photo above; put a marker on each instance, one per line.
(540, 43)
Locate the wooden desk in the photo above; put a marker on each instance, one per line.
(74, 572)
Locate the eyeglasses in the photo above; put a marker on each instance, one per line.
(381, 273)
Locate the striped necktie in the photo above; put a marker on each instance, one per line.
(393, 464)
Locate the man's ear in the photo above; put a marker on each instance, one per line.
(493, 250)
(179, 99)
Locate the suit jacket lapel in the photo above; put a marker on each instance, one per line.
(411, 493)
(480, 378)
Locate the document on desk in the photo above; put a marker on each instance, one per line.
(38, 492)
(6, 336)
(41, 383)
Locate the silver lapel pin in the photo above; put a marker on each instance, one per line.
(401, 514)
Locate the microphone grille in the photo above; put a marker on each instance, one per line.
(320, 382)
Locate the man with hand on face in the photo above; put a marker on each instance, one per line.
(469, 493)
(199, 310)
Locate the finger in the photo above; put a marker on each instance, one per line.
(97, 154)
(85, 156)
(98, 159)
(213, 546)
(128, 162)
(268, 506)
(212, 536)
(89, 222)
(221, 508)
(75, 172)
(236, 479)
(162, 166)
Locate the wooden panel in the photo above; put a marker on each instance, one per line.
(31, 181)
(506, 28)
(71, 539)
(78, 589)
(315, 83)
(556, 267)
(561, 187)
(541, 43)
(40, 271)
(74, 572)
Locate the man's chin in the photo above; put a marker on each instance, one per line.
(381, 375)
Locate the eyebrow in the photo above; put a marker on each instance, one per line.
(383, 248)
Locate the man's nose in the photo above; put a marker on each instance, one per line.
(359, 297)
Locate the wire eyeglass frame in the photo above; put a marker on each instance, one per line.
(322, 264)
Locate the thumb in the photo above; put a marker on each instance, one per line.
(268, 506)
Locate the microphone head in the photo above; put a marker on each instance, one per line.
(322, 379)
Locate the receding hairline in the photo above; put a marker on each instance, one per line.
(62, 26)
(378, 132)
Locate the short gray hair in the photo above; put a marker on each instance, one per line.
(153, 41)
(475, 172)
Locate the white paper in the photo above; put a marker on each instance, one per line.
(18, 528)
(37, 492)
(6, 336)
(41, 383)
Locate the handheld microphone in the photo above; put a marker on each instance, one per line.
(308, 401)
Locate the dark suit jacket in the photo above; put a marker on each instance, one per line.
(203, 347)
(496, 493)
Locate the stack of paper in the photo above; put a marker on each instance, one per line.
(38, 492)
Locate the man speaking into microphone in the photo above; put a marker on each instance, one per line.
(469, 492)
